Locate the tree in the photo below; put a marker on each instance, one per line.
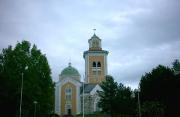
(108, 95)
(152, 109)
(161, 85)
(176, 66)
(38, 85)
(116, 99)
(125, 102)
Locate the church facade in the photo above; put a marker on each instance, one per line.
(75, 97)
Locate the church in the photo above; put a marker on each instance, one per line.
(75, 97)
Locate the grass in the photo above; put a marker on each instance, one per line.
(93, 115)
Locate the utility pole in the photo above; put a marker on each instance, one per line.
(20, 109)
(139, 105)
(83, 96)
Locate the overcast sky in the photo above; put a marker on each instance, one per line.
(139, 34)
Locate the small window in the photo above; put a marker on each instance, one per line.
(94, 64)
(68, 94)
(99, 64)
(68, 97)
(68, 90)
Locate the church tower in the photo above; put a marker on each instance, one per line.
(95, 61)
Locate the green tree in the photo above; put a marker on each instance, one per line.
(162, 86)
(38, 85)
(108, 95)
(116, 99)
(152, 109)
(125, 102)
(176, 66)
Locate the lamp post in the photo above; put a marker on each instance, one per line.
(22, 77)
(83, 97)
(35, 102)
(139, 105)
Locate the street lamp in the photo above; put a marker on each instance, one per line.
(22, 91)
(35, 102)
(83, 96)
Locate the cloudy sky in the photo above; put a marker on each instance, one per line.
(139, 34)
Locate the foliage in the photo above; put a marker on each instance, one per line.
(176, 66)
(115, 99)
(125, 103)
(161, 85)
(152, 109)
(108, 95)
(38, 85)
(54, 115)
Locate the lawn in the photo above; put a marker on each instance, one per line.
(93, 115)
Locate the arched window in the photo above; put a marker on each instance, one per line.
(99, 64)
(94, 64)
(68, 94)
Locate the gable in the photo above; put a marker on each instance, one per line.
(87, 88)
(95, 89)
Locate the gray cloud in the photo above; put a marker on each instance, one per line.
(138, 34)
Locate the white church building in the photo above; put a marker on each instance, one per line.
(71, 95)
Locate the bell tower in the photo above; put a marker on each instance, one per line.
(95, 61)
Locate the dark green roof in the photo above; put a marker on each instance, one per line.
(70, 71)
(95, 37)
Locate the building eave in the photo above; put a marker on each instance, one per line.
(98, 51)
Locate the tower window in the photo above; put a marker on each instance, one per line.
(94, 64)
(99, 64)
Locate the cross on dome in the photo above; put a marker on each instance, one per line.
(69, 64)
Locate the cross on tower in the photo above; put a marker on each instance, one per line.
(94, 30)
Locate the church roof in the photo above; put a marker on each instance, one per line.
(70, 71)
(87, 88)
(93, 52)
(94, 37)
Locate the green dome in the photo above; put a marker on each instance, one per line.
(70, 71)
